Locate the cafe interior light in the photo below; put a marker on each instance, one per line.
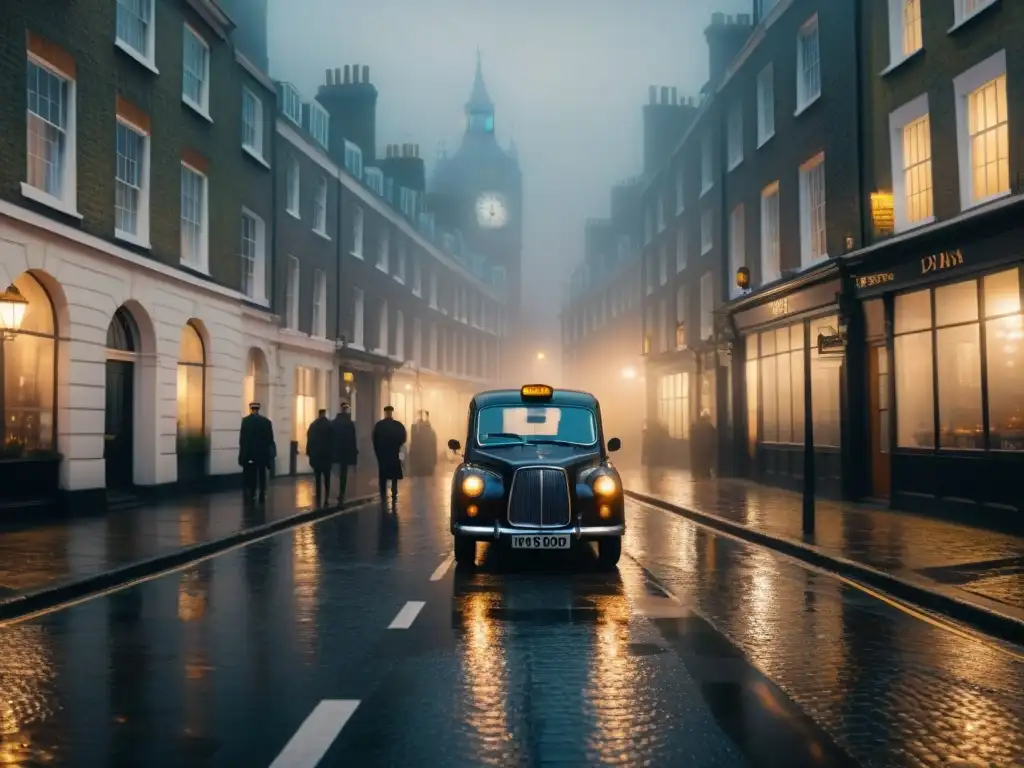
(743, 278)
(12, 311)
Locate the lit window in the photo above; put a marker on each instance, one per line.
(135, 27)
(131, 192)
(812, 211)
(808, 83)
(252, 122)
(965, 9)
(917, 169)
(194, 217)
(195, 78)
(983, 131)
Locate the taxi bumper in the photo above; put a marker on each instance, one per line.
(497, 530)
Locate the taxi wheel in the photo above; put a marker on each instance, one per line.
(465, 551)
(609, 551)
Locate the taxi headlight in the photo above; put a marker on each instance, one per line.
(473, 485)
(605, 485)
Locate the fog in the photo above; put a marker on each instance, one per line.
(568, 79)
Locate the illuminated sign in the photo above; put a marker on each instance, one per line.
(939, 261)
(536, 390)
(883, 213)
(348, 376)
(870, 281)
(780, 307)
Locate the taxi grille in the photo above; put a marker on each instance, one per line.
(539, 498)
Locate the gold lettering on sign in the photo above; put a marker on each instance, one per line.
(870, 281)
(939, 261)
(779, 307)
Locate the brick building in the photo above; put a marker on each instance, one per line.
(378, 305)
(129, 166)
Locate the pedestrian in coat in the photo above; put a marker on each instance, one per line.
(345, 453)
(388, 438)
(256, 452)
(319, 446)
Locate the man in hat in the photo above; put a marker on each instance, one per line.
(422, 447)
(345, 453)
(256, 450)
(319, 447)
(388, 438)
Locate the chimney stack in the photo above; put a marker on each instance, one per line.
(652, 94)
(348, 75)
(355, 74)
(366, 75)
(329, 74)
(351, 102)
(726, 37)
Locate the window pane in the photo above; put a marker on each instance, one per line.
(190, 400)
(29, 373)
(785, 402)
(768, 343)
(1005, 358)
(782, 340)
(959, 356)
(769, 395)
(915, 416)
(825, 397)
(752, 409)
(1002, 293)
(913, 311)
(750, 342)
(957, 303)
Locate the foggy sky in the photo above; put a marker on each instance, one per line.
(568, 78)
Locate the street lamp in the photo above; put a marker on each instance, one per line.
(629, 373)
(12, 311)
(541, 356)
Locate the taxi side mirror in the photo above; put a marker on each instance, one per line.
(614, 444)
(454, 445)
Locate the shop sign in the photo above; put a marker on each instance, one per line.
(832, 344)
(348, 377)
(940, 261)
(779, 307)
(915, 270)
(870, 281)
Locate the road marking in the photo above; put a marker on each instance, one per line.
(442, 569)
(174, 569)
(893, 602)
(407, 615)
(316, 734)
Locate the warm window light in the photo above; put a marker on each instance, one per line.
(629, 373)
(408, 387)
(12, 311)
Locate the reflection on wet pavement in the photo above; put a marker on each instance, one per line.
(523, 661)
(893, 541)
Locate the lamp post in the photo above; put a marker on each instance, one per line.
(12, 311)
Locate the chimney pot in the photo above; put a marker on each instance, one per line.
(417, 150)
(355, 73)
(717, 19)
(337, 75)
(329, 73)
(675, 96)
(744, 19)
(652, 94)
(348, 74)
(366, 74)
(664, 94)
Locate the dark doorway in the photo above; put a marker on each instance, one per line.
(118, 442)
(118, 448)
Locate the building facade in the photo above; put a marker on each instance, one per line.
(934, 344)
(601, 325)
(377, 304)
(122, 369)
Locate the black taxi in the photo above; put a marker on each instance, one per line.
(535, 472)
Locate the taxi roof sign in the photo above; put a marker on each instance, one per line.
(537, 391)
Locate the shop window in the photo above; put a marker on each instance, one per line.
(28, 362)
(191, 386)
(751, 383)
(956, 343)
(781, 369)
(305, 404)
(674, 405)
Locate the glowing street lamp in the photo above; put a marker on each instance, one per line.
(541, 356)
(629, 373)
(12, 311)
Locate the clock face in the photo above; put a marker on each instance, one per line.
(491, 211)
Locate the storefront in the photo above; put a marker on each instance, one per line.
(944, 369)
(776, 349)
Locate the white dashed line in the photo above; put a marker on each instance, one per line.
(442, 569)
(407, 615)
(316, 734)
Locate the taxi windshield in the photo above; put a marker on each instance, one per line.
(511, 424)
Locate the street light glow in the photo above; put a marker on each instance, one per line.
(629, 373)
(541, 356)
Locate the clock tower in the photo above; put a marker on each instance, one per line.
(479, 192)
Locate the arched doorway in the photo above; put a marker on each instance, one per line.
(192, 448)
(257, 384)
(119, 422)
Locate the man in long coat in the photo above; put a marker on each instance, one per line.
(423, 447)
(346, 452)
(319, 447)
(256, 451)
(388, 438)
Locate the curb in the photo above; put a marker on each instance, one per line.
(987, 620)
(29, 603)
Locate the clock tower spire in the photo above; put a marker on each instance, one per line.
(479, 108)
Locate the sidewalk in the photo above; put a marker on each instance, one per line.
(64, 551)
(980, 567)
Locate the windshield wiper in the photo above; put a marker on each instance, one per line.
(554, 441)
(511, 435)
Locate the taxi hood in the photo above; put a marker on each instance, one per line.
(507, 458)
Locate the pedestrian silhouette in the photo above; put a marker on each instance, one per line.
(256, 451)
(346, 452)
(388, 438)
(319, 444)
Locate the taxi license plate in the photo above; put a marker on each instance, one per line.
(555, 541)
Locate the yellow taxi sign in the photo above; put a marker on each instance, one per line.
(537, 391)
